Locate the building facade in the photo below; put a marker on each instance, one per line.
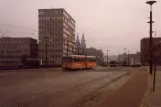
(56, 35)
(134, 59)
(98, 53)
(144, 47)
(12, 50)
(129, 59)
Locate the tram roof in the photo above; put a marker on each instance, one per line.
(80, 56)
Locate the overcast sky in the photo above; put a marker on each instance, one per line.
(107, 24)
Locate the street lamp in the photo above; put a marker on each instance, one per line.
(150, 39)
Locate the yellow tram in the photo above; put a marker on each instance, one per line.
(78, 62)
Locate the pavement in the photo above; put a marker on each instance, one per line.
(155, 100)
(130, 94)
(100, 87)
(47, 88)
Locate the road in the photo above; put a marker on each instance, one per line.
(54, 87)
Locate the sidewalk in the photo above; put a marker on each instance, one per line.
(156, 95)
(131, 94)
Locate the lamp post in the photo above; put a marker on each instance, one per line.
(150, 39)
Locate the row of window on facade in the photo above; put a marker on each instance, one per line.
(53, 35)
(53, 56)
(51, 29)
(13, 41)
(13, 52)
(56, 18)
(52, 18)
(10, 62)
(51, 51)
(50, 23)
(10, 57)
(55, 24)
(56, 51)
(13, 46)
(57, 29)
(51, 12)
(53, 62)
(58, 46)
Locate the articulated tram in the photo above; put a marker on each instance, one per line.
(78, 62)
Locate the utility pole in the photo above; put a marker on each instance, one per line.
(150, 39)
(124, 56)
(128, 58)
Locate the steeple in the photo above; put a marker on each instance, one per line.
(77, 39)
(83, 41)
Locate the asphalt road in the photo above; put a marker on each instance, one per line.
(53, 87)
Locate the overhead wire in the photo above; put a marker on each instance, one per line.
(18, 27)
(19, 32)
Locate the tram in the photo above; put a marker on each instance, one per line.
(78, 62)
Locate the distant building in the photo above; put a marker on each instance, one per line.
(145, 50)
(122, 58)
(12, 50)
(98, 53)
(59, 29)
(129, 59)
(134, 59)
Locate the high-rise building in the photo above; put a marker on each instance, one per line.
(56, 35)
(145, 50)
(12, 50)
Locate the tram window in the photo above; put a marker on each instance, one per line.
(76, 60)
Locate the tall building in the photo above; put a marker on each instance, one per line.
(145, 50)
(56, 34)
(12, 50)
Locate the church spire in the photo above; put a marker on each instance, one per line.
(83, 41)
(77, 39)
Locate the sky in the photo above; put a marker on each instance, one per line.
(107, 24)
